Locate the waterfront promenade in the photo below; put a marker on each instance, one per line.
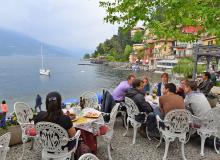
(123, 150)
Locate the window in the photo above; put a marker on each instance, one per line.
(210, 42)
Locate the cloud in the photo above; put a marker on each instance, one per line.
(67, 23)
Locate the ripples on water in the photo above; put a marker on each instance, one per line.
(20, 79)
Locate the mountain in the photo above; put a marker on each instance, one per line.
(14, 43)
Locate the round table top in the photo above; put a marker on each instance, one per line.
(154, 102)
(84, 122)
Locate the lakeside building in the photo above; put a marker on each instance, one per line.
(133, 58)
(136, 29)
(209, 40)
(161, 49)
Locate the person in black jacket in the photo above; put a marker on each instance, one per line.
(38, 103)
(206, 86)
(137, 95)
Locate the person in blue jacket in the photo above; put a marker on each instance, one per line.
(160, 86)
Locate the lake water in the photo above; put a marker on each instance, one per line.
(20, 79)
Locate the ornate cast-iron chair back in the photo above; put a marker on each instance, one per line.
(209, 126)
(91, 100)
(175, 125)
(23, 112)
(132, 108)
(54, 139)
(88, 156)
(132, 111)
(24, 116)
(113, 115)
(178, 121)
(109, 135)
(4, 143)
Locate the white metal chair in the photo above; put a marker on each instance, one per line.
(91, 100)
(54, 138)
(209, 126)
(88, 156)
(132, 111)
(109, 135)
(24, 116)
(4, 143)
(175, 125)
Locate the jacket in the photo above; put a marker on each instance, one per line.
(38, 101)
(159, 85)
(138, 98)
(206, 86)
(107, 102)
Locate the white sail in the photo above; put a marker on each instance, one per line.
(43, 71)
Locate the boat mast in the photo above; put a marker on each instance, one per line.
(42, 63)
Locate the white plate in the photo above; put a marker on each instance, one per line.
(77, 117)
(85, 111)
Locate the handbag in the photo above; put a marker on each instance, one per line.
(140, 117)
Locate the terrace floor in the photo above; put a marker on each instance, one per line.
(123, 150)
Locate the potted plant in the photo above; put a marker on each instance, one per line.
(10, 124)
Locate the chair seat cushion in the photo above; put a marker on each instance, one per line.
(103, 129)
(30, 131)
(194, 125)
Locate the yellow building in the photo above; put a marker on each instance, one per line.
(163, 48)
(211, 40)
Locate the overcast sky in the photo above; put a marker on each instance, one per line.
(72, 24)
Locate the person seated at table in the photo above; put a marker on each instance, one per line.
(118, 93)
(137, 95)
(146, 85)
(160, 86)
(195, 101)
(168, 102)
(55, 114)
(180, 88)
(206, 84)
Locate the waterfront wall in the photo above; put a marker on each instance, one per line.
(118, 64)
(124, 66)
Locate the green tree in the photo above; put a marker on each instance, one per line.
(185, 67)
(138, 37)
(140, 54)
(114, 47)
(127, 52)
(166, 18)
(86, 56)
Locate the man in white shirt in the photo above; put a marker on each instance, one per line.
(195, 101)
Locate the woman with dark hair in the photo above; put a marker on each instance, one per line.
(55, 114)
(4, 107)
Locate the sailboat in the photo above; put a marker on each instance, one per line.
(43, 71)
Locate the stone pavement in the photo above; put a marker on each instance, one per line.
(124, 150)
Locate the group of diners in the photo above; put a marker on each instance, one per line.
(187, 95)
